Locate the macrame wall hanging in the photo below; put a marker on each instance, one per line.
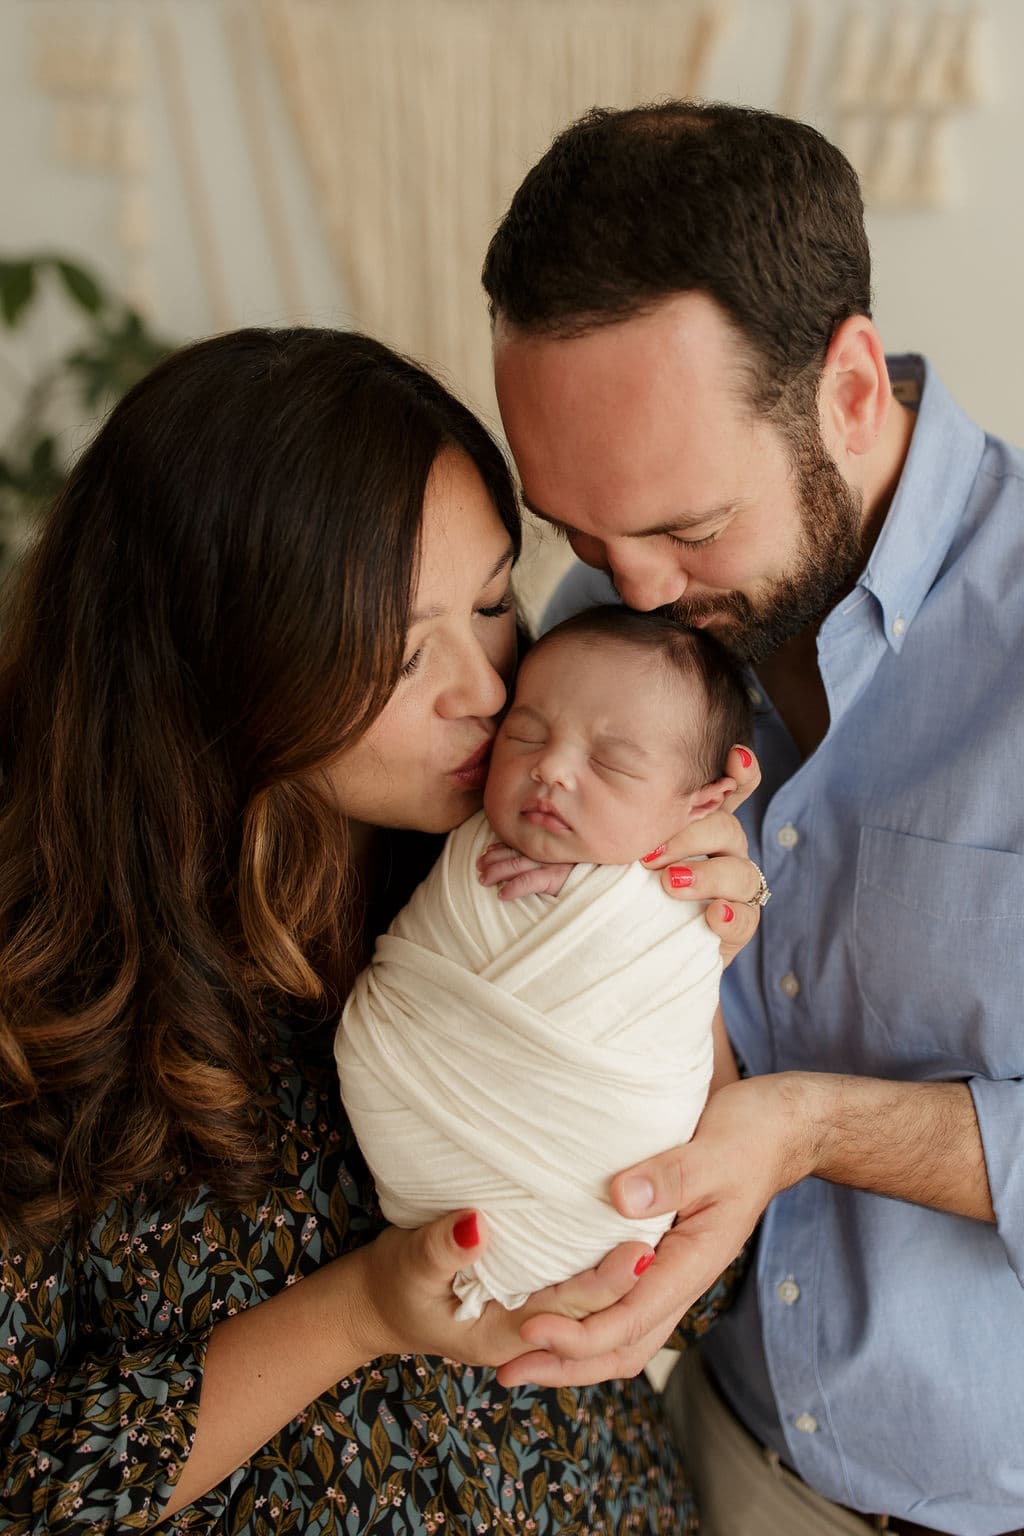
(419, 118)
(93, 69)
(904, 74)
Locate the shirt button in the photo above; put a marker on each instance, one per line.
(806, 1423)
(787, 836)
(788, 1291)
(789, 984)
(899, 624)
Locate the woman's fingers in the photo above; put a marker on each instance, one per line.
(743, 766)
(598, 1288)
(717, 835)
(733, 924)
(723, 877)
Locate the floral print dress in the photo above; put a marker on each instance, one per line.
(102, 1345)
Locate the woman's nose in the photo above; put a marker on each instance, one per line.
(473, 688)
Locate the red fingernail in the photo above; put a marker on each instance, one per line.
(656, 854)
(643, 1263)
(744, 756)
(679, 877)
(467, 1233)
(727, 912)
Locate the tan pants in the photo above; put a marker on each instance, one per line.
(742, 1489)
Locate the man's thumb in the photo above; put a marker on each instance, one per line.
(653, 1188)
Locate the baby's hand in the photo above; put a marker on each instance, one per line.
(516, 875)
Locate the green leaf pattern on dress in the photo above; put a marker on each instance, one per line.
(102, 1344)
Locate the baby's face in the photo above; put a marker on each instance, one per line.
(586, 766)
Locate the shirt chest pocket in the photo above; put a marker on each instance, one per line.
(939, 952)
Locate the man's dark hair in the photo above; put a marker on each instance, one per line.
(628, 208)
(694, 655)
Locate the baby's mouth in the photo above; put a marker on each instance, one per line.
(542, 813)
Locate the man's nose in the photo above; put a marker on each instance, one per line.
(645, 574)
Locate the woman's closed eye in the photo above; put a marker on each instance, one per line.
(410, 666)
(499, 609)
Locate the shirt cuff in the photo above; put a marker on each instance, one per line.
(1000, 1110)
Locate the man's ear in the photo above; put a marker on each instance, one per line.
(701, 802)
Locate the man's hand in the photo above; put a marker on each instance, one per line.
(743, 1152)
(909, 1141)
(516, 875)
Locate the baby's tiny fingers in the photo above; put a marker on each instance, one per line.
(502, 866)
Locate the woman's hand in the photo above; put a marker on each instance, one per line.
(409, 1306)
(707, 861)
(516, 875)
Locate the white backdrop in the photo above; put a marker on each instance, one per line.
(946, 281)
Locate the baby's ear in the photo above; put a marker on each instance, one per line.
(701, 802)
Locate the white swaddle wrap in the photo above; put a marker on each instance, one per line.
(514, 1055)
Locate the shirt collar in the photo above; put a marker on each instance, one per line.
(938, 474)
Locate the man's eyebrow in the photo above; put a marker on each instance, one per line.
(673, 525)
(423, 614)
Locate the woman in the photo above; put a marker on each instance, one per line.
(269, 617)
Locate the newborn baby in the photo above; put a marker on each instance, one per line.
(514, 1055)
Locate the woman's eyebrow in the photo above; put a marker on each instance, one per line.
(423, 614)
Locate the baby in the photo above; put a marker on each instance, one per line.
(514, 1055)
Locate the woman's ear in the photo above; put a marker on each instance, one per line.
(709, 797)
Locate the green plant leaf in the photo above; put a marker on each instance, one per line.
(44, 455)
(17, 285)
(82, 287)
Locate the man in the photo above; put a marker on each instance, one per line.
(695, 395)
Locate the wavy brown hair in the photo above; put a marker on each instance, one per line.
(215, 608)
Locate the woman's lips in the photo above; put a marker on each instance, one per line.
(541, 813)
(472, 774)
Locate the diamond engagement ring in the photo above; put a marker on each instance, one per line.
(762, 895)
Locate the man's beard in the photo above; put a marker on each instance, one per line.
(828, 561)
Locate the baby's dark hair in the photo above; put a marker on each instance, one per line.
(692, 653)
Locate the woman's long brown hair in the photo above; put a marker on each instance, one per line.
(215, 608)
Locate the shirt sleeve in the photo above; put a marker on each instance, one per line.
(92, 1436)
(999, 1106)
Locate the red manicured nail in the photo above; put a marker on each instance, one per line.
(727, 912)
(467, 1233)
(643, 1263)
(656, 854)
(744, 756)
(679, 877)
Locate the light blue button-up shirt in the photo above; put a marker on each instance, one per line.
(879, 1346)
